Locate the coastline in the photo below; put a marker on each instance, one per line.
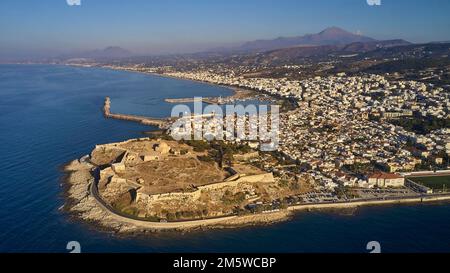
(233, 89)
(87, 208)
(356, 204)
(82, 203)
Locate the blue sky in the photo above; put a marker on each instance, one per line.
(165, 26)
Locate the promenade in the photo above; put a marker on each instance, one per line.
(216, 221)
(93, 190)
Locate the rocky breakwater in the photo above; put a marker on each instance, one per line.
(161, 123)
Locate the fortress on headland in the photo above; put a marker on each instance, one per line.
(195, 195)
(123, 156)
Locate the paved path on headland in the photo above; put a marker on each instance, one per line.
(153, 225)
(215, 221)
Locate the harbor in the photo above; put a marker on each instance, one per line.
(158, 122)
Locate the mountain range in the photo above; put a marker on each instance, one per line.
(330, 40)
(329, 36)
(324, 50)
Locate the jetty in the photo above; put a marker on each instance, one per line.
(239, 95)
(191, 100)
(159, 122)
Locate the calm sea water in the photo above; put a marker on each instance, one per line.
(50, 115)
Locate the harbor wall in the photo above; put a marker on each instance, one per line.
(370, 202)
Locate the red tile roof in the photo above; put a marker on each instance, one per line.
(381, 175)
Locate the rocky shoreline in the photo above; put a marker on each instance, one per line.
(82, 205)
(85, 207)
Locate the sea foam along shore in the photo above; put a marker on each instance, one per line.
(82, 203)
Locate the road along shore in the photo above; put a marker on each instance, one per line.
(354, 204)
(85, 203)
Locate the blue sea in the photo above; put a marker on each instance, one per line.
(50, 115)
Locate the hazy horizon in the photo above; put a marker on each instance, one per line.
(47, 28)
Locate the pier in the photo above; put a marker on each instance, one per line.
(159, 122)
(239, 95)
(191, 100)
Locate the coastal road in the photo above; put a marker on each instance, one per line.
(93, 189)
(215, 221)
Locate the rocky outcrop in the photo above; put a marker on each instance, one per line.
(83, 204)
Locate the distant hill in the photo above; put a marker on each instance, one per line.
(329, 36)
(294, 54)
(112, 52)
(369, 46)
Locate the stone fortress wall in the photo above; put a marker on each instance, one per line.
(195, 195)
(117, 145)
(110, 174)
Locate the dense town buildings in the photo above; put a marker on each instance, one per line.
(345, 121)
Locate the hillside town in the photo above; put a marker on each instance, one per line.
(343, 121)
(346, 134)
